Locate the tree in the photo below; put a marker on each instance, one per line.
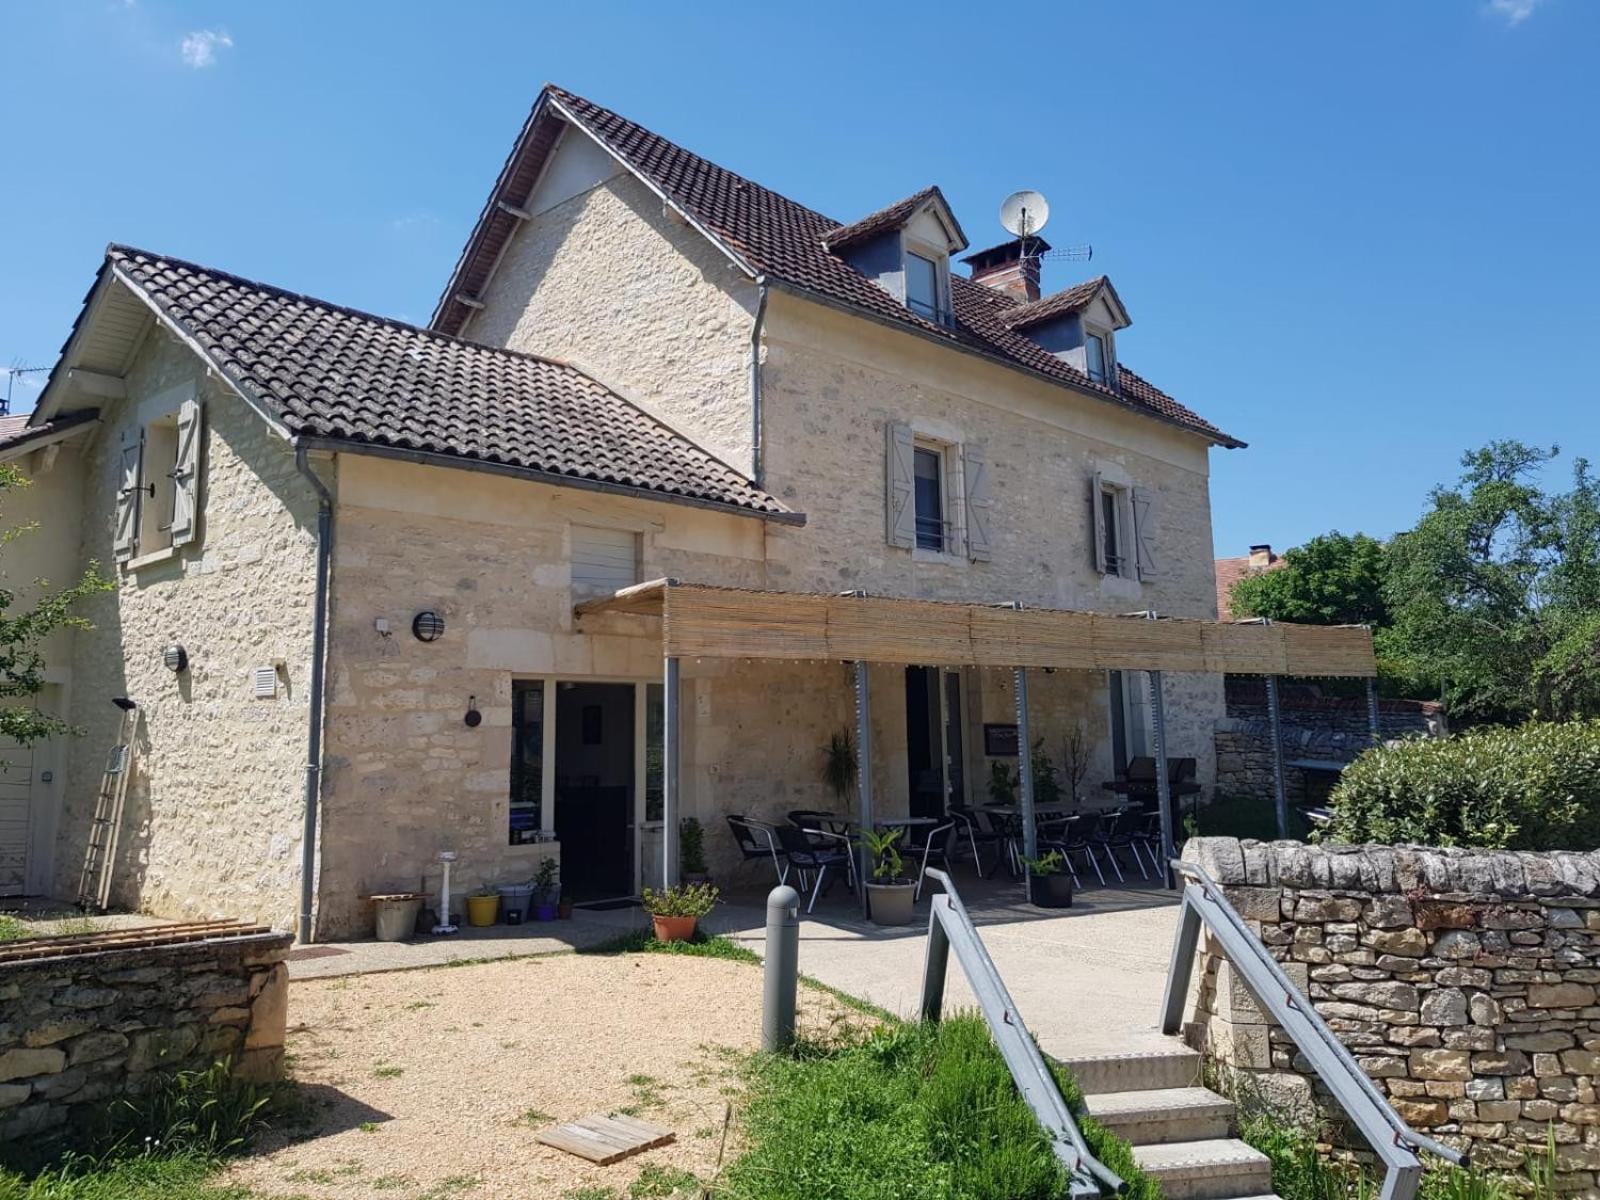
(1334, 579)
(22, 634)
(1494, 594)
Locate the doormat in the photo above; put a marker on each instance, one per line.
(314, 952)
(602, 1139)
(608, 905)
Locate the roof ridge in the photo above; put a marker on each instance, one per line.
(348, 310)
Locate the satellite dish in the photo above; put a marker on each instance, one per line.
(1024, 213)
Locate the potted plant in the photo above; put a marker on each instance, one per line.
(891, 897)
(1049, 884)
(483, 906)
(546, 891)
(692, 851)
(564, 908)
(675, 911)
(840, 766)
(1046, 779)
(1003, 783)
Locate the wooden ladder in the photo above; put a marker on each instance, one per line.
(99, 857)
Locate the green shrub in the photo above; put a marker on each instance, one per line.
(209, 1113)
(1529, 787)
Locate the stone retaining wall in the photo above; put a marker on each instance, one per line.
(79, 1029)
(1464, 982)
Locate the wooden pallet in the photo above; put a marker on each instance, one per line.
(29, 949)
(602, 1139)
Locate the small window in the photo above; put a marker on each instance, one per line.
(527, 761)
(1096, 357)
(1111, 530)
(160, 471)
(922, 287)
(603, 560)
(929, 474)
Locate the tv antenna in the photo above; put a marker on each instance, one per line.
(1023, 214)
(16, 368)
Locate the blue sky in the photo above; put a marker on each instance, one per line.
(1359, 235)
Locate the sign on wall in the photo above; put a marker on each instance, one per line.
(1000, 741)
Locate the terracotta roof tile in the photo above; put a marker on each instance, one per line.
(779, 237)
(892, 217)
(1068, 300)
(1230, 571)
(15, 431)
(332, 372)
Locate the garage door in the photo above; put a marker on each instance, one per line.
(16, 794)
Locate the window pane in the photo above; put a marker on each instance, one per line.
(1097, 358)
(930, 500)
(1113, 544)
(655, 727)
(922, 286)
(527, 760)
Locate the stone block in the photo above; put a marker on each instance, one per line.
(24, 1063)
(1491, 1087)
(1421, 1113)
(1389, 912)
(1441, 1064)
(1384, 995)
(13, 1094)
(1406, 943)
(269, 1011)
(1560, 995)
(93, 1047)
(1581, 1062)
(1505, 1062)
(1445, 1006)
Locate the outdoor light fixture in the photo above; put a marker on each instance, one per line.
(474, 718)
(176, 658)
(428, 626)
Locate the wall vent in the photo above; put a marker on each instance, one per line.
(266, 683)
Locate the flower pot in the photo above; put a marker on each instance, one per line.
(1050, 891)
(544, 912)
(891, 903)
(674, 929)
(482, 910)
(564, 910)
(394, 918)
(514, 897)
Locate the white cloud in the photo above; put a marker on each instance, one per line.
(1512, 12)
(199, 49)
(413, 223)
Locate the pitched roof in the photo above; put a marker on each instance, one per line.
(1231, 570)
(16, 433)
(1058, 304)
(767, 234)
(892, 217)
(328, 372)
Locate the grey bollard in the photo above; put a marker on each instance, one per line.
(782, 970)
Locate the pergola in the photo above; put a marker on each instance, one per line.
(702, 621)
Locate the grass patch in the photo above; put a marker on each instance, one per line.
(12, 929)
(177, 1177)
(703, 945)
(899, 1111)
(658, 1181)
(388, 1072)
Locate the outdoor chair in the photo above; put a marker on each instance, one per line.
(976, 831)
(923, 844)
(814, 820)
(758, 840)
(1082, 837)
(810, 861)
(1058, 834)
(1116, 832)
(1147, 837)
(1008, 828)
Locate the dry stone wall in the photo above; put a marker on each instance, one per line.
(1466, 983)
(78, 1030)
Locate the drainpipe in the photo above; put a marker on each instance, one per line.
(757, 450)
(319, 643)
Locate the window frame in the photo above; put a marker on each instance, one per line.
(940, 262)
(921, 451)
(1108, 358)
(1119, 529)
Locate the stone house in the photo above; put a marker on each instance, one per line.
(371, 540)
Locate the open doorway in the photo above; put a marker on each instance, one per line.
(933, 740)
(594, 786)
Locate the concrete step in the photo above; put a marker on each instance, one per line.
(1209, 1169)
(1140, 1071)
(1148, 1117)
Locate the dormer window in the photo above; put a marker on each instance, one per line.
(1097, 356)
(925, 287)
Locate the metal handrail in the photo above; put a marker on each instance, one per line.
(950, 926)
(1395, 1142)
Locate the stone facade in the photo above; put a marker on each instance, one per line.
(212, 826)
(88, 1026)
(1313, 726)
(1466, 984)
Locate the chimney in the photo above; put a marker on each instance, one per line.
(1005, 269)
(1261, 557)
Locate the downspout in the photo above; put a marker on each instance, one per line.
(757, 449)
(319, 643)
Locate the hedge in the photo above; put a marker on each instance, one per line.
(1528, 787)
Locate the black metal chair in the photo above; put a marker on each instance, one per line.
(976, 831)
(1058, 834)
(810, 860)
(758, 840)
(1146, 836)
(1116, 833)
(924, 843)
(814, 820)
(1082, 838)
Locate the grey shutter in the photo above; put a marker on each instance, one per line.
(1144, 532)
(1097, 523)
(604, 560)
(125, 539)
(186, 475)
(900, 508)
(975, 468)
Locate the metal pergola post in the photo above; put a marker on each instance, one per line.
(1280, 798)
(1372, 710)
(670, 799)
(1030, 828)
(1158, 738)
(863, 775)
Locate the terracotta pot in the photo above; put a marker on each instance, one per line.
(564, 910)
(674, 929)
(892, 903)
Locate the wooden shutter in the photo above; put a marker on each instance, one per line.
(900, 489)
(1097, 523)
(186, 475)
(604, 560)
(975, 468)
(125, 538)
(1144, 532)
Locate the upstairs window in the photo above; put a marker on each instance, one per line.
(158, 492)
(1097, 358)
(922, 287)
(929, 471)
(1124, 532)
(1110, 531)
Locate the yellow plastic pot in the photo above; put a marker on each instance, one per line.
(482, 910)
